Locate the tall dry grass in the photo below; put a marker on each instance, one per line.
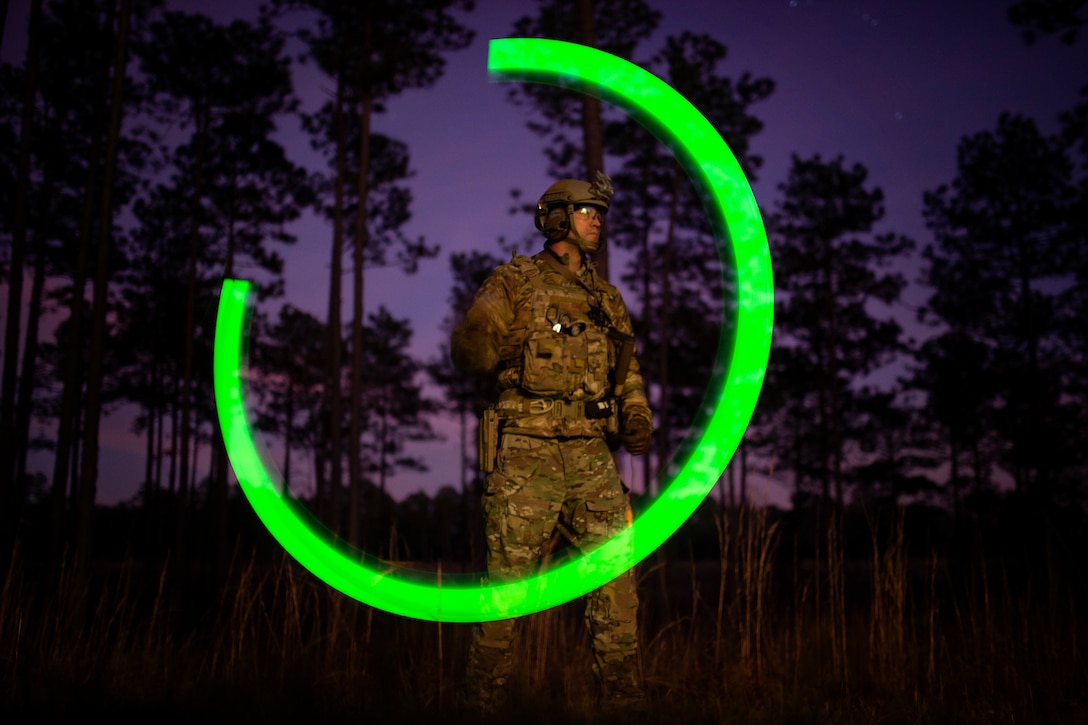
(762, 634)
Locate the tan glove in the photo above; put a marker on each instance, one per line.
(636, 436)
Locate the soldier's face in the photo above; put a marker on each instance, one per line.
(586, 228)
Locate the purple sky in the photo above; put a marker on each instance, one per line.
(892, 85)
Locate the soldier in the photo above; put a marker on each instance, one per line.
(559, 339)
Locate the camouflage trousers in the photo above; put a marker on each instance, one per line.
(540, 484)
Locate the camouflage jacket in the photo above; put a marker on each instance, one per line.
(551, 346)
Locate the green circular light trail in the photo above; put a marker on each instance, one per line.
(715, 434)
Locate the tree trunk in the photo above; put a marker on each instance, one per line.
(73, 358)
(202, 117)
(743, 450)
(3, 17)
(193, 463)
(319, 474)
(647, 225)
(8, 497)
(834, 405)
(954, 458)
(462, 416)
(327, 504)
(88, 478)
(731, 478)
(172, 484)
(592, 132)
(24, 404)
(383, 437)
(149, 443)
(665, 430)
(218, 488)
(359, 262)
(155, 423)
(160, 411)
(288, 437)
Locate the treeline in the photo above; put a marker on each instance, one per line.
(143, 166)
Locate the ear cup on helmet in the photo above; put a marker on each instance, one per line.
(555, 223)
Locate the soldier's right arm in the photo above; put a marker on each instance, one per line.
(474, 345)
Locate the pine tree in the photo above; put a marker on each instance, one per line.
(1002, 259)
(397, 412)
(658, 214)
(830, 269)
(95, 369)
(9, 495)
(573, 123)
(372, 51)
(290, 356)
(239, 187)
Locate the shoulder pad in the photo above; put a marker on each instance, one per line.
(517, 263)
(519, 270)
(525, 265)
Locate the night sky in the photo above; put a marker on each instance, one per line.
(891, 85)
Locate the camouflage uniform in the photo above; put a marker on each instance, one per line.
(554, 467)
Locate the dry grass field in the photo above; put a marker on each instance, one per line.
(762, 634)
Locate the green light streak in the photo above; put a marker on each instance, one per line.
(716, 432)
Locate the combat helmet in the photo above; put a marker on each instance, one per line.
(555, 207)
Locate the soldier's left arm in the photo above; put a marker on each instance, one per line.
(474, 344)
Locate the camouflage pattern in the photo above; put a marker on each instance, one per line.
(539, 485)
(553, 471)
(512, 307)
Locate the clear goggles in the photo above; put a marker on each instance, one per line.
(590, 212)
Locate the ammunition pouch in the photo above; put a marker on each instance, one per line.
(604, 408)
